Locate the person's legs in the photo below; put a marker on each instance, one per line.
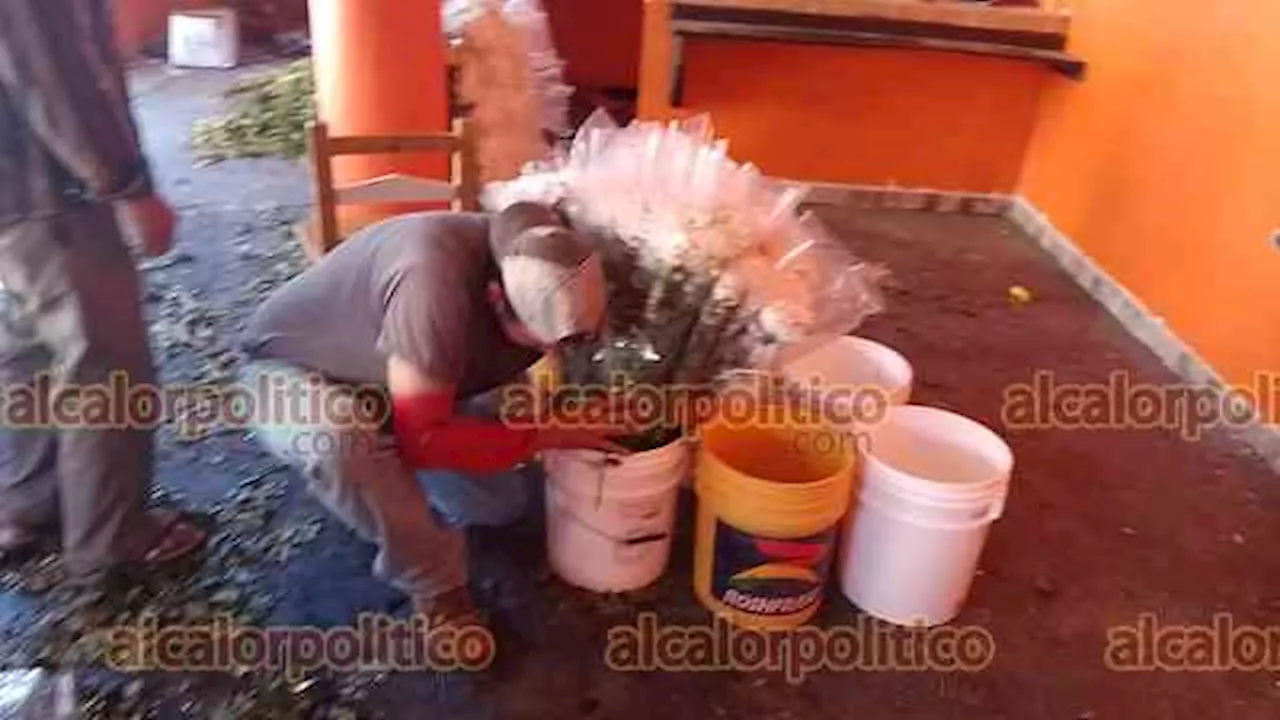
(358, 474)
(465, 500)
(487, 500)
(78, 286)
(28, 480)
(97, 330)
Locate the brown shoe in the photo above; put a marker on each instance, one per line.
(455, 609)
(175, 537)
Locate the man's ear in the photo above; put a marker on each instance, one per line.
(500, 303)
(495, 294)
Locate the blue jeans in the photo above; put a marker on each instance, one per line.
(415, 518)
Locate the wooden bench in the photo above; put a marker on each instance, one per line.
(1029, 34)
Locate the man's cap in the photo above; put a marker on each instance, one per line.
(552, 276)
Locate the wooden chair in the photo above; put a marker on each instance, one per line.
(462, 190)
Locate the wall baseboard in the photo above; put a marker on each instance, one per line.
(879, 197)
(1139, 320)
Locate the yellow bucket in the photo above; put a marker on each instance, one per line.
(771, 498)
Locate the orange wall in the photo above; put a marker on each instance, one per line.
(139, 22)
(867, 116)
(1161, 165)
(599, 39)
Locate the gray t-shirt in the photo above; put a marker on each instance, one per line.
(413, 286)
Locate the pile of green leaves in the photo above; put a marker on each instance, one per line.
(269, 117)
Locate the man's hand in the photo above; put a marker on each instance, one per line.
(151, 222)
(405, 381)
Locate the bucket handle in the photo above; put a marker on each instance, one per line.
(994, 511)
(997, 504)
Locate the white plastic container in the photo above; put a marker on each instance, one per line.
(861, 378)
(609, 525)
(204, 38)
(932, 483)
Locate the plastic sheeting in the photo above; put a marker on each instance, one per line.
(716, 267)
(512, 77)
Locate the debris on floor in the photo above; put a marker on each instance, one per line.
(37, 694)
(1020, 295)
(177, 257)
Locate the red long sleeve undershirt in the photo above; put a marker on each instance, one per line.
(431, 436)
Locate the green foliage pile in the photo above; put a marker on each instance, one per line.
(269, 117)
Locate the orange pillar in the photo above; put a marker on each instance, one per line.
(380, 70)
(654, 94)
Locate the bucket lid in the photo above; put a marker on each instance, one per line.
(854, 364)
(933, 452)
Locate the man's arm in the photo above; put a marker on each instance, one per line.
(59, 61)
(431, 436)
(427, 317)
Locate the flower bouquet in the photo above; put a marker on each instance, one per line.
(713, 268)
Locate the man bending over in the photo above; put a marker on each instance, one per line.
(438, 308)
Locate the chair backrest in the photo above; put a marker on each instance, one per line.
(462, 190)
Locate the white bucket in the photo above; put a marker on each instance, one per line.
(858, 379)
(609, 520)
(932, 484)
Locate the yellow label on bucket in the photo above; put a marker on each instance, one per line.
(769, 577)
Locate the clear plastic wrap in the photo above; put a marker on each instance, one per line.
(455, 14)
(545, 63)
(713, 266)
(511, 77)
